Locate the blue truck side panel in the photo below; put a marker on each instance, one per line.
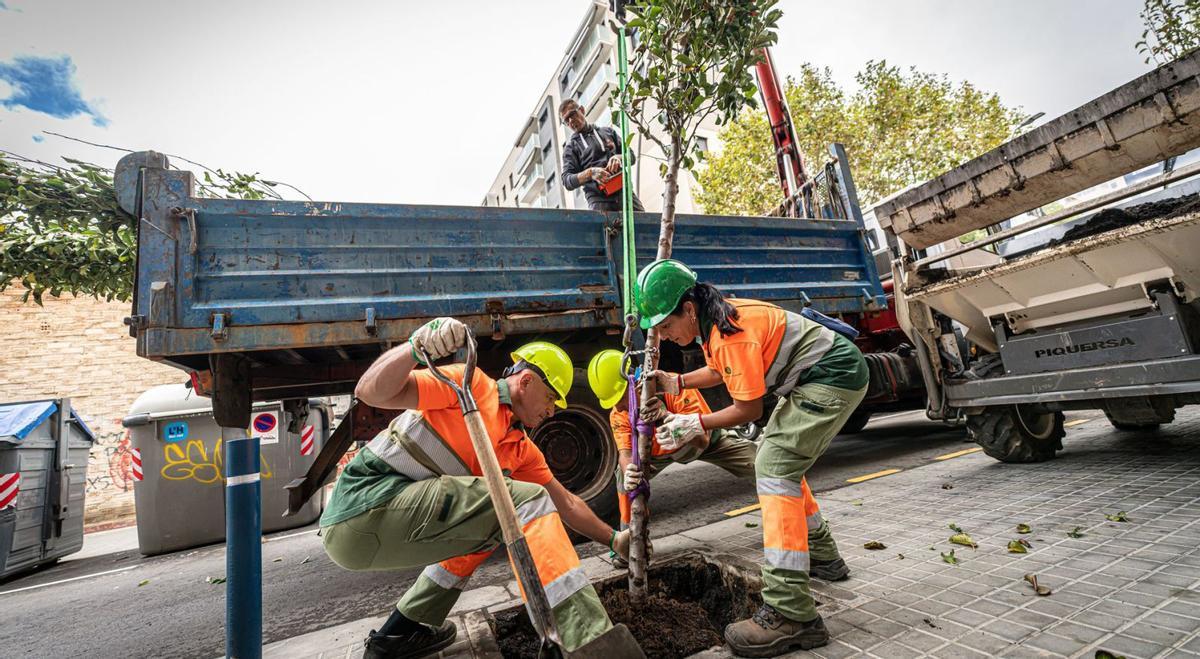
(283, 275)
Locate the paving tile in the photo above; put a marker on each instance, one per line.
(1053, 643)
(1130, 647)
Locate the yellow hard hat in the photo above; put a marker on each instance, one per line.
(605, 377)
(553, 363)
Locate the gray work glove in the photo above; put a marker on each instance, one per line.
(438, 338)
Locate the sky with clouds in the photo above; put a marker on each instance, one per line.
(417, 102)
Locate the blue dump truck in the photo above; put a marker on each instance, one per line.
(283, 300)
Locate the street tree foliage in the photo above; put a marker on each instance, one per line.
(693, 61)
(61, 230)
(900, 128)
(1172, 29)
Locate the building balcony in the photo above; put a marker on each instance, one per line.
(601, 84)
(531, 185)
(529, 153)
(591, 54)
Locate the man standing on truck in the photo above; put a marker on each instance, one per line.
(591, 157)
(414, 496)
(722, 449)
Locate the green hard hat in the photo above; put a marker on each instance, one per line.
(659, 288)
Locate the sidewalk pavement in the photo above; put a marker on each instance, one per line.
(1131, 588)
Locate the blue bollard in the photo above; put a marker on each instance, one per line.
(243, 545)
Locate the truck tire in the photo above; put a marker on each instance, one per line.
(1125, 426)
(857, 421)
(580, 451)
(1140, 414)
(1010, 434)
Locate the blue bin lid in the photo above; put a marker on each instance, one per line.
(17, 420)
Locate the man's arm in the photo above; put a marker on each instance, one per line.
(570, 168)
(576, 514)
(387, 384)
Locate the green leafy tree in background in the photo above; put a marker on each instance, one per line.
(900, 128)
(61, 230)
(1172, 29)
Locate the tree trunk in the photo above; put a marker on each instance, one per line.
(639, 520)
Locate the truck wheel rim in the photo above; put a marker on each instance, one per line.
(577, 449)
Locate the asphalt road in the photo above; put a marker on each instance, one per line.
(96, 607)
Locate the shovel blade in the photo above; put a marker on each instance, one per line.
(614, 643)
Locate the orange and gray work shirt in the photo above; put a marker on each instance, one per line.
(688, 402)
(777, 350)
(432, 440)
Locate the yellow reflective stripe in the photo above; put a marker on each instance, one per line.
(779, 486)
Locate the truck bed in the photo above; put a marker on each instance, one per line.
(314, 286)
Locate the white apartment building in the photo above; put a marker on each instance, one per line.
(531, 176)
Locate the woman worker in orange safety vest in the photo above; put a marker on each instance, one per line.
(758, 349)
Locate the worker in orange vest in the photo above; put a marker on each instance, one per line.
(757, 349)
(723, 449)
(414, 496)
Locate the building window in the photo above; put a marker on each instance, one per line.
(546, 151)
(503, 193)
(545, 116)
(701, 143)
(550, 181)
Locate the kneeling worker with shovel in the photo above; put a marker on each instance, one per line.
(429, 491)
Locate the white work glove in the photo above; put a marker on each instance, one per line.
(621, 541)
(668, 383)
(678, 430)
(632, 477)
(438, 338)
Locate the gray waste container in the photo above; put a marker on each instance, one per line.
(44, 448)
(180, 500)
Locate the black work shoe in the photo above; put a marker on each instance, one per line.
(835, 570)
(769, 634)
(418, 643)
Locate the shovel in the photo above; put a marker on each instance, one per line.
(616, 642)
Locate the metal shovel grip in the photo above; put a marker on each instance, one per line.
(506, 511)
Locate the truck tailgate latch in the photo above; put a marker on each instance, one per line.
(220, 327)
(371, 326)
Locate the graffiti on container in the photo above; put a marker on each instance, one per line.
(192, 460)
(111, 463)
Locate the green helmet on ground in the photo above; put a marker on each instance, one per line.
(659, 288)
(605, 377)
(554, 364)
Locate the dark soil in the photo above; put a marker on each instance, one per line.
(1115, 218)
(690, 603)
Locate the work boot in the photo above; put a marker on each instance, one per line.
(417, 643)
(769, 634)
(835, 570)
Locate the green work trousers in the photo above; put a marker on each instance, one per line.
(448, 524)
(800, 429)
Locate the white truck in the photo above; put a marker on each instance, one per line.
(1106, 316)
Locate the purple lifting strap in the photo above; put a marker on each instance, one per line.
(639, 427)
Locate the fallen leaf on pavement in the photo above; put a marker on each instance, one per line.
(1105, 654)
(1037, 588)
(143, 582)
(214, 580)
(306, 559)
(278, 560)
(1075, 532)
(964, 540)
(874, 544)
(955, 527)
(1017, 547)
(751, 525)
(900, 556)
(949, 558)
(1024, 528)
(930, 623)
(856, 502)
(947, 486)
(1119, 517)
